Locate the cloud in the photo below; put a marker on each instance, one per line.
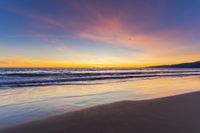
(110, 30)
(108, 23)
(98, 21)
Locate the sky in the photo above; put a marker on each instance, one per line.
(98, 33)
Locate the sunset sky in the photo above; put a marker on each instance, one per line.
(98, 33)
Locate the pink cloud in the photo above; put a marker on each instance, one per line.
(113, 30)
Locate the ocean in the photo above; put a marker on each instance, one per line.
(30, 94)
(21, 77)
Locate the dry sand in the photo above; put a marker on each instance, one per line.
(175, 114)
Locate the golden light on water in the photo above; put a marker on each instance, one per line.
(129, 90)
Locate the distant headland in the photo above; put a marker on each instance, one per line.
(182, 65)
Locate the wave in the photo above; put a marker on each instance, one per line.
(42, 77)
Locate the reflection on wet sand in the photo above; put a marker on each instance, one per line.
(24, 104)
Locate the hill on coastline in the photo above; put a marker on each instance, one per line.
(182, 65)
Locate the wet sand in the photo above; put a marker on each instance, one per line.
(174, 114)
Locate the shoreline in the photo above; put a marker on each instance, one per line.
(172, 114)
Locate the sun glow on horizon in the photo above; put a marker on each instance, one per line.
(80, 34)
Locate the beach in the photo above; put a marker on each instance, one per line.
(136, 100)
(174, 114)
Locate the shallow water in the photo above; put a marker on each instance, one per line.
(22, 104)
